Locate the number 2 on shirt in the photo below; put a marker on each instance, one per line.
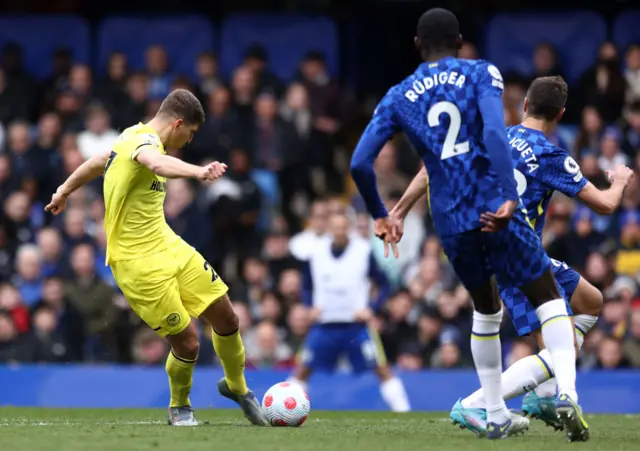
(449, 147)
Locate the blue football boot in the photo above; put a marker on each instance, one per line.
(473, 419)
(541, 408)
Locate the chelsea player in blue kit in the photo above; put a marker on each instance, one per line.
(540, 169)
(451, 111)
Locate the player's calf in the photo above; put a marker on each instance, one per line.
(180, 364)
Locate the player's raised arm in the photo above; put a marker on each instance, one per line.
(88, 171)
(490, 88)
(170, 167)
(607, 201)
(380, 129)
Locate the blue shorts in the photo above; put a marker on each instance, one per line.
(523, 314)
(326, 343)
(514, 255)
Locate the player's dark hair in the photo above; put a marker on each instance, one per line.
(182, 104)
(547, 97)
(438, 30)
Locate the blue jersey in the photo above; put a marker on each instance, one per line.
(439, 108)
(540, 169)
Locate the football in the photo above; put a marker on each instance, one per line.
(286, 404)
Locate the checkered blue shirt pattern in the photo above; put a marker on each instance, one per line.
(546, 168)
(543, 168)
(462, 186)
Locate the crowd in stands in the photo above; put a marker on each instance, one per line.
(287, 145)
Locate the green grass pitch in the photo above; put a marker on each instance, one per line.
(127, 429)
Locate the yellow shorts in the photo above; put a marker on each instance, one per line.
(167, 288)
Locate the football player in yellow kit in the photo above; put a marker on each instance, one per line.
(166, 281)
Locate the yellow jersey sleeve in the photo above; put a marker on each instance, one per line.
(134, 199)
(145, 140)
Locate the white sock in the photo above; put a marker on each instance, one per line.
(487, 356)
(524, 375)
(583, 324)
(557, 334)
(394, 395)
(302, 384)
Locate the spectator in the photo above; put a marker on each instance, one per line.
(54, 263)
(98, 135)
(68, 106)
(12, 348)
(628, 259)
(28, 279)
(410, 358)
(603, 85)
(157, 65)
(298, 324)
(132, 108)
(47, 342)
(11, 303)
(545, 61)
(243, 86)
(81, 82)
(208, 77)
(610, 355)
(269, 351)
(14, 107)
(14, 76)
(9, 181)
(94, 300)
(257, 61)
(591, 128)
(69, 321)
(148, 348)
(611, 154)
(218, 134)
(61, 62)
(111, 89)
(234, 204)
(399, 327)
(632, 73)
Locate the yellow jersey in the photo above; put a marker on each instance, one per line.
(134, 220)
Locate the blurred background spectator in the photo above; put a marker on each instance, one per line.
(285, 119)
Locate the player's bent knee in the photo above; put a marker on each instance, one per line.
(587, 300)
(185, 344)
(221, 316)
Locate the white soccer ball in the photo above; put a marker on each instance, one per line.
(286, 404)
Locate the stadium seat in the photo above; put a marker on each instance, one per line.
(285, 38)
(626, 30)
(511, 38)
(41, 36)
(183, 38)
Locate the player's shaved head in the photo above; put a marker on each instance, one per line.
(546, 98)
(438, 31)
(182, 104)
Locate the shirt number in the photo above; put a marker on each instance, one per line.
(109, 161)
(449, 147)
(207, 267)
(521, 182)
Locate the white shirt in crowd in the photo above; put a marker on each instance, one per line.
(90, 143)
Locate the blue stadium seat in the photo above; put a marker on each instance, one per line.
(511, 38)
(41, 36)
(184, 37)
(285, 38)
(626, 29)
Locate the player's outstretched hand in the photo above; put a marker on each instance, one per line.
(620, 173)
(397, 226)
(498, 220)
(58, 204)
(383, 228)
(213, 171)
